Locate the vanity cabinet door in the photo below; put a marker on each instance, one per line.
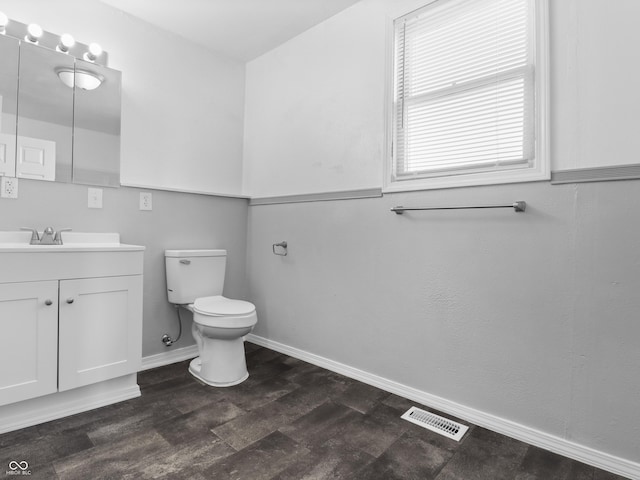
(29, 350)
(100, 329)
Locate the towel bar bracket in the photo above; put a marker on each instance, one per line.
(283, 246)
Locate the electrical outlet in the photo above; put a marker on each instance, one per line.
(9, 187)
(95, 198)
(146, 201)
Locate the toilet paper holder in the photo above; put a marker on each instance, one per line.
(283, 246)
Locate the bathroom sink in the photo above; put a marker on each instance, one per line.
(81, 255)
(14, 238)
(72, 242)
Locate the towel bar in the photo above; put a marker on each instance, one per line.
(519, 206)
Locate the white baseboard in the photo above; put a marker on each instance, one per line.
(169, 357)
(561, 446)
(62, 404)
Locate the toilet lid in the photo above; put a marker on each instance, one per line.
(219, 305)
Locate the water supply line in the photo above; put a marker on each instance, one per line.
(166, 338)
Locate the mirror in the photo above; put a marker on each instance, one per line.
(45, 116)
(96, 134)
(8, 104)
(60, 116)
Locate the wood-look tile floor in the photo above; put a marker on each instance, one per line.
(289, 420)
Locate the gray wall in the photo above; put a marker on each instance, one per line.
(178, 220)
(531, 317)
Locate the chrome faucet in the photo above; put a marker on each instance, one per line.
(35, 239)
(49, 236)
(58, 238)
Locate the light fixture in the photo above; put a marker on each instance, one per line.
(79, 78)
(34, 32)
(66, 42)
(95, 50)
(4, 20)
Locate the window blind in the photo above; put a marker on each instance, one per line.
(464, 88)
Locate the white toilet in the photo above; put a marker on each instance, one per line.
(194, 281)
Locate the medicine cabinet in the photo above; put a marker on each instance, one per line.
(60, 116)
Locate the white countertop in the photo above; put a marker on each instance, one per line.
(18, 242)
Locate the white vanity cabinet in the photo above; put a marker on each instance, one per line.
(29, 352)
(71, 322)
(100, 335)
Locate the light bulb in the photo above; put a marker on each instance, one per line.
(4, 20)
(65, 43)
(34, 32)
(94, 52)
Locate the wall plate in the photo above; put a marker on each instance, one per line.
(146, 201)
(95, 198)
(9, 187)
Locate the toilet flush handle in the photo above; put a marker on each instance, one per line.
(184, 261)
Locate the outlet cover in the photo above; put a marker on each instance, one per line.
(9, 187)
(95, 198)
(146, 201)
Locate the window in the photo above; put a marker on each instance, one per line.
(469, 104)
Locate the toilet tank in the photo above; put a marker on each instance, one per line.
(193, 274)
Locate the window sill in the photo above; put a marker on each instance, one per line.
(495, 178)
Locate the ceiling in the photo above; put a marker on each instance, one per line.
(240, 29)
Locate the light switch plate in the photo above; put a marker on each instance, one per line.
(95, 198)
(9, 187)
(146, 201)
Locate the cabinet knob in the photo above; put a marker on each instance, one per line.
(69, 301)
(48, 302)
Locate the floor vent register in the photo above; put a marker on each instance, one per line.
(436, 423)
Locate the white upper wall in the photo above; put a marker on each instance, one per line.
(315, 120)
(594, 76)
(314, 113)
(182, 106)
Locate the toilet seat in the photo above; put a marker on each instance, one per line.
(219, 306)
(219, 311)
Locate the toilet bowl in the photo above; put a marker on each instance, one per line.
(195, 281)
(219, 325)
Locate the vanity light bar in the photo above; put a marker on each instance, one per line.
(65, 43)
